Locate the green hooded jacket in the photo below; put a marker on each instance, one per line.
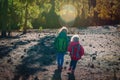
(61, 42)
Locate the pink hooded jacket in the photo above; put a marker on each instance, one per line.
(81, 52)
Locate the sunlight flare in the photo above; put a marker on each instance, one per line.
(68, 14)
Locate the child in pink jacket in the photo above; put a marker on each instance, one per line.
(76, 52)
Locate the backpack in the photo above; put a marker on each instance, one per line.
(76, 55)
(61, 44)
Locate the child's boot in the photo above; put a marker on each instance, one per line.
(60, 68)
(72, 71)
(69, 70)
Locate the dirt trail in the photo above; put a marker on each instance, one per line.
(32, 57)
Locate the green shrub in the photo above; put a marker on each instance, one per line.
(40, 28)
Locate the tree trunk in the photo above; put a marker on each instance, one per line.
(4, 18)
(3, 33)
(11, 22)
(9, 33)
(25, 24)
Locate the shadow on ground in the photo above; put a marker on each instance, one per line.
(38, 56)
(57, 75)
(71, 76)
(6, 48)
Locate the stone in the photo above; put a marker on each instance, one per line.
(9, 60)
(90, 45)
(22, 56)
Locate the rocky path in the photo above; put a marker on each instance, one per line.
(32, 57)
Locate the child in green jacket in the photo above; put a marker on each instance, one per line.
(61, 43)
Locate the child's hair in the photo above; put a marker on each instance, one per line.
(75, 38)
(63, 29)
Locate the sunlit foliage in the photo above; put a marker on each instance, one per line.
(25, 14)
(108, 9)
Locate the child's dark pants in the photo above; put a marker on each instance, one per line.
(73, 64)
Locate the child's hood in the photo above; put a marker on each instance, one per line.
(62, 34)
(74, 43)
